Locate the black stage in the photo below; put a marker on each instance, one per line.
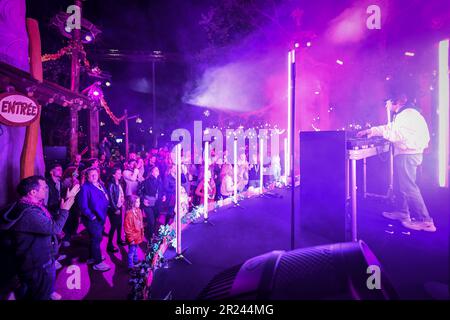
(416, 262)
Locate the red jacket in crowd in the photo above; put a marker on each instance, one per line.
(134, 226)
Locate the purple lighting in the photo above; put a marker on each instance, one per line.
(88, 38)
(309, 44)
(409, 54)
(340, 62)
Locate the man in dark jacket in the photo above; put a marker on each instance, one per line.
(32, 231)
(54, 187)
(93, 202)
(152, 198)
(116, 205)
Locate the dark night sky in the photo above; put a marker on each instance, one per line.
(172, 26)
(134, 24)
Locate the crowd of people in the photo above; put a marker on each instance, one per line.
(136, 195)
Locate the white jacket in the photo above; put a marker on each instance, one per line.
(408, 132)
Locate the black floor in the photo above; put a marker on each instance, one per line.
(416, 262)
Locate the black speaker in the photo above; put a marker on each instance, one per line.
(322, 185)
(55, 154)
(339, 271)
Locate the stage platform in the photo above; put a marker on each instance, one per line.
(416, 262)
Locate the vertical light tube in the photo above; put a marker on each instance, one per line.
(289, 89)
(261, 164)
(292, 148)
(286, 160)
(443, 114)
(206, 181)
(235, 170)
(178, 196)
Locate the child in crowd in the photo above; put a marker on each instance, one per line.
(134, 229)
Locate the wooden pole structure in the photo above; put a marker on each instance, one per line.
(75, 87)
(94, 131)
(28, 156)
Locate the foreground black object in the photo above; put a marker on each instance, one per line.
(322, 203)
(337, 271)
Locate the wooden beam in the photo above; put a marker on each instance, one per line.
(28, 156)
(42, 91)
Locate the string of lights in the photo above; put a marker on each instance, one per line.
(68, 50)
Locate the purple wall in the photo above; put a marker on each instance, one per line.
(14, 51)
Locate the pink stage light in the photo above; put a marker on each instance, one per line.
(108, 84)
(261, 165)
(289, 108)
(206, 181)
(443, 111)
(96, 93)
(340, 62)
(235, 165)
(297, 45)
(409, 54)
(88, 38)
(309, 44)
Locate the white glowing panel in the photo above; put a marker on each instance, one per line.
(443, 112)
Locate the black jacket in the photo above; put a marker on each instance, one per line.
(152, 186)
(170, 186)
(54, 196)
(32, 235)
(113, 193)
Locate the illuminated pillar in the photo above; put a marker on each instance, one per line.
(443, 113)
(206, 182)
(261, 164)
